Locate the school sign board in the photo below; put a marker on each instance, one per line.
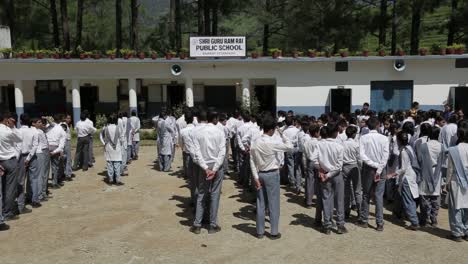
(204, 47)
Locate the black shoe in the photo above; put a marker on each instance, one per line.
(119, 183)
(25, 211)
(414, 227)
(36, 205)
(318, 223)
(309, 206)
(379, 228)
(4, 227)
(260, 236)
(275, 237)
(341, 230)
(298, 191)
(73, 175)
(11, 218)
(55, 186)
(61, 184)
(69, 179)
(85, 169)
(455, 238)
(214, 229)
(195, 229)
(362, 224)
(44, 199)
(326, 230)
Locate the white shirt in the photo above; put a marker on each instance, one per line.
(406, 171)
(110, 153)
(185, 139)
(329, 156)
(264, 153)
(84, 128)
(351, 151)
(68, 131)
(252, 133)
(30, 141)
(209, 147)
(341, 138)
(165, 136)
(448, 137)
(135, 123)
(310, 147)
(374, 150)
(56, 136)
(457, 193)
(292, 133)
(435, 148)
(42, 141)
(232, 123)
(241, 131)
(9, 137)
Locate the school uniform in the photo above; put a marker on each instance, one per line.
(430, 155)
(244, 159)
(408, 186)
(209, 151)
(251, 134)
(312, 181)
(391, 192)
(84, 130)
(265, 168)
(112, 139)
(458, 189)
(291, 158)
(9, 137)
(165, 131)
(91, 159)
(329, 157)
(226, 132)
(67, 153)
(56, 137)
(136, 125)
(352, 175)
(129, 137)
(122, 125)
(448, 137)
(43, 162)
(374, 153)
(186, 144)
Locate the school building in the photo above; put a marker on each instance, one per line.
(306, 85)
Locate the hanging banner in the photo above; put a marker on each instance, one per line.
(203, 47)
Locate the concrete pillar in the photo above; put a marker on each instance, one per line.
(19, 102)
(245, 92)
(132, 95)
(76, 101)
(189, 91)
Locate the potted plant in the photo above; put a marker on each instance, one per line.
(141, 55)
(328, 51)
(111, 53)
(459, 48)
(170, 54)
(40, 54)
(295, 53)
(67, 54)
(450, 50)
(344, 53)
(153, 54)
(365, 53)
(55, 53)
(437, 49)
(126, 53)
(96, 54)
(183, 53)
(400, 51)
(311, 53)
(254, 54)
(423, 51)
(275, 53)
(81, 53)
(381, 50)
(6, 52)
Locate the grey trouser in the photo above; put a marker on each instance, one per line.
(129, 153)
(292, 163)
(124, 161)
(43, 164)
(234, 153)
(91, 150)
(82, 153)
(34, 180)
(68, 159)
(56, 168)
(22, 176)
(211, 189)
(10, 186)
(113, 170)
(333, 188)
(310, 182)
(268, 195)
(245, 171)
(458, 218)
(368, 184)
(135, 149)
(226, 158)
(409, 204)
(164, 162)
(193, 180)
(430, 205)
(352, 178)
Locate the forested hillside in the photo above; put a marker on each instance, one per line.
(164, 25)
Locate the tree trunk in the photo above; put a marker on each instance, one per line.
(452, 25)
(383, 22)
(79, 22)
(200, 5)
(118, 25)
(134, 25)
(394, 27)
(266, 30)
(416, 10)
(178, 23)
(206, 18)
(65, 27)
(172, 26)
(214, 19)
(55, 27)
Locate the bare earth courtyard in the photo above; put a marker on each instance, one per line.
(148, 220)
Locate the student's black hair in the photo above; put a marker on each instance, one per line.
(342, 123)
(269, 123)
(188, 117)
(439, 118)
(2, 116)
(34, 120)
(112, 119)
(83, 116)
(351, 131)
(134, 113)
(393, 128)
(462, 134)
(314, 129)
(366, 104)
(212, 116)
(425, 130)
(415, 104)
(453, 119)
(246, 116)
(25, 120)
(124, 114)
(372, 123)
(324, 118)
(332, 129)
(305, 126)
(289, 121)
(463, 124)
(408, 128)
(58, 118)
(120, 115)
(357, 112)
(435, 132)
(402, 138)
(324, 132)
(64, 127)
(353, 121)
(236, 114)
(202, 116)
(222, 117)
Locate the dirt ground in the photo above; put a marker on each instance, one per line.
(148, 221)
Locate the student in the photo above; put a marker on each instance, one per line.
(448, 138)
(91, 159)
(186, 145)
(165, 131)
(84, 130)
(209, 148)
(122, 124)
(113, 140)
(56, 137)
(448, 112)
(24, 147)
(43, 159)
(243, 151)
(430, 154)
(311, 176)
(222, 126)
(291, 161)
(251, 133)
(374, 152)
(232, 123)
(351, 171)
(329, 161)
(67, 121)
(9, 137)
(424, 132)
(265, 171)
(136, 125)
(33, 166)
(457, 183)
(407, 178)
(391, 192)
(342, 125)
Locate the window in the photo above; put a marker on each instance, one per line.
(395, 95)
(50, 97)
(341, 66)
(461, 63)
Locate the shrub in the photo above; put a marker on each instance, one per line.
(101, 121)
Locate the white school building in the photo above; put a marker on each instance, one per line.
(305, 85)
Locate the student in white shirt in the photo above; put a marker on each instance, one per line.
(43, 159)
(83, 130)
(9, 137)
(165, 143)
(26, 153)
(136, 125)
(222, 125)
(374, 152)
(311, 177)
(112, 140)
(91, 140)
(67, 121)
(185, 143)
(352, 171)
(34, 189)
(56, 137)
(328, 158)
(122, 124)
(448, 138)
(244, 160)
(265, 170)
(209, 149)
(291, 160)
